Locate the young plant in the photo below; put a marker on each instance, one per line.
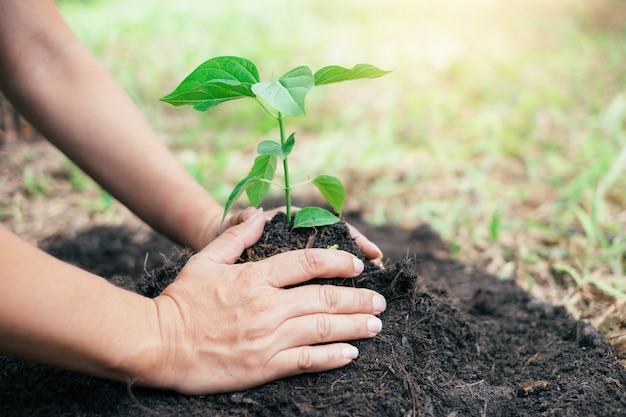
(228, 78)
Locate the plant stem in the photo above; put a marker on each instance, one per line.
(264, 107)
(281, 125)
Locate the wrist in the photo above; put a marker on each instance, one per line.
(196, 221)
(207, 229)
(165, 361)
(139, 357)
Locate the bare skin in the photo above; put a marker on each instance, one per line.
(219, 327)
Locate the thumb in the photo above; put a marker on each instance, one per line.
(229, 246)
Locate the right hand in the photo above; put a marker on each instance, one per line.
(227, 327)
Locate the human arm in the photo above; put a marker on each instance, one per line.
(72, 100)
(62, 89)
(218, 327)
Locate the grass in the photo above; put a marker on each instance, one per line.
(503, 124)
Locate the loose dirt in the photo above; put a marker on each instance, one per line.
(456, 342)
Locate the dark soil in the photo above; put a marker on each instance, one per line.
(456, 342)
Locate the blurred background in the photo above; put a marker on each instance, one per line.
(503, 124)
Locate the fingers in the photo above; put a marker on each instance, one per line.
(309, 359)
(296, 267)
(269, 214)
(369, 248)
(331, 299)
(228, 246)
(326, 328)
(234, 218)
(329, 313)
(313, 351)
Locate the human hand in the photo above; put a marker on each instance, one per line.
(228, 327)
(371, 251)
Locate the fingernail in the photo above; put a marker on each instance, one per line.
(350, 352)
(374, 326)
(380, 252)
(380, 304)
(358, 265)
(254, 215)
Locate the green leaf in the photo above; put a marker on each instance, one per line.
(335, 73)
(264, 167)
(288, 93)
(270, 147)
(288, 145)
(332, 190)
(239, 188)
(313, 217)
(215, 81)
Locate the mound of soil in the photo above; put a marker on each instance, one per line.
(456, 342)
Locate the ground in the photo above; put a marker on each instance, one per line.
(456, 341)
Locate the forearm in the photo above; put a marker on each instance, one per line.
(62, 89)
(54, 313)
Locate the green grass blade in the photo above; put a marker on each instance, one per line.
(495, 226)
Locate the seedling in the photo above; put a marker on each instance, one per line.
(228, 78)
